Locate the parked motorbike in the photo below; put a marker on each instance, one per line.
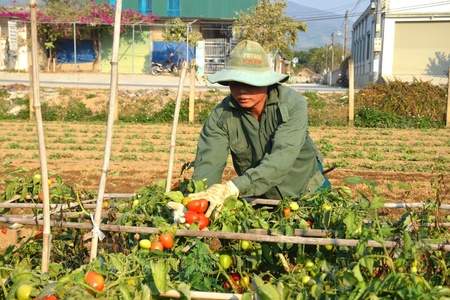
(168, 66)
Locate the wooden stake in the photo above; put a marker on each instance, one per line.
(40, 132)
(351, 92)
(447, 120)
(192, 92)
(109, 132)
(174, 127)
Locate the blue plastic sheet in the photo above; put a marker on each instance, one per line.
(65, 53)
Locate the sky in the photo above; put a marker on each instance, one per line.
(340, 7)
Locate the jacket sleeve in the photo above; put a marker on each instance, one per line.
(287, 142)
(212, 150)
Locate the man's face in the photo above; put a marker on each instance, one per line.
(249, 97)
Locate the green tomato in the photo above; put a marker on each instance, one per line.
(309, 264)
(413, 270)
(135, 203)
(145, 244)
(24, 292)
(329, 247)
(37, 178)
(245, 244)
(294, 206)
(225, 261)
(306, 279)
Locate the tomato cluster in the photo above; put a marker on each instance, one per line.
(196, 213)
(165, 241)
(240, 282)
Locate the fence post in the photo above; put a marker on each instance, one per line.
(447, 116)
(192, 91)
(351, 92)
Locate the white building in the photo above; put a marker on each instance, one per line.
(404, 40)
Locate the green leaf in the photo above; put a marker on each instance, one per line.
(175, 196)
(265, 291)
(159, 273)
(357, 273)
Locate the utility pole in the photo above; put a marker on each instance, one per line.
(377, 43)
(346, 36)
(332, 57)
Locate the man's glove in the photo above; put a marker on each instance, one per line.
(179, 211)
(216, 195)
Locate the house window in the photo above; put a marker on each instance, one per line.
(173, 8)
(145, 6)
(368, 47)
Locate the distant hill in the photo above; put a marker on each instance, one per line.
(320, 26)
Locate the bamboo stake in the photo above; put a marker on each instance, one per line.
(257, 237)
(109, 132)
(40, 131)
(174, 127)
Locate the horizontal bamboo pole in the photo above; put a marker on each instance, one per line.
(229, 235)
(252, 201)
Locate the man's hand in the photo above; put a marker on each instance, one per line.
(216, 195)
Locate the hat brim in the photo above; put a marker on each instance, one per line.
(256, 78)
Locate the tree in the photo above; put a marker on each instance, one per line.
(175, 30)
(267, 24)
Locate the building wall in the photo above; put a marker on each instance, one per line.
(414, 41)
(194, 8)
(134, 53)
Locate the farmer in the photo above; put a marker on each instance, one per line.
(264, 125)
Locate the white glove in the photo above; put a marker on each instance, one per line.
(179, 210)
(216, 195)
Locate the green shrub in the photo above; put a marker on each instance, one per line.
(416, 99)
(374, 118)
(77, 111)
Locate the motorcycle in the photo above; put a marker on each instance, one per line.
(168, 66)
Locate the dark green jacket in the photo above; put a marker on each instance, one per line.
(274, 158)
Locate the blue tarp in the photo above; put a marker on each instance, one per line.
(162, 50)
(65, 53)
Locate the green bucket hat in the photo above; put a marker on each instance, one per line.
(248, 64)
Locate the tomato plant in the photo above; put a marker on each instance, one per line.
(24, 291)
(245, 244)
(199, 205)
(294, 206)
(225, 261)
(166, 240)
(286, 211)
(145, 244)
(95, 280)
(203, 221)
(191, 217)
(157, 246)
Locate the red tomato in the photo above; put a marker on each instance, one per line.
(287, 212)
(203, 205)
(95, 280)
(199, 205)
(41, 197)
(167, 240)
(194, 205)
(203, 221)
(39, 234)
(4, 230)
(310, 223)
(191, 216)
(157, 246)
